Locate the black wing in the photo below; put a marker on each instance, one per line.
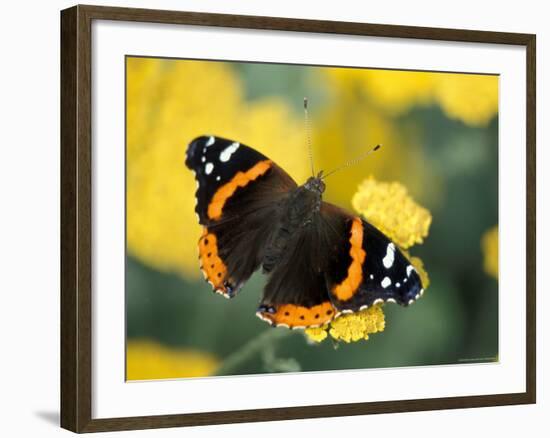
(296, 293)
(365, 266)
(238, 194)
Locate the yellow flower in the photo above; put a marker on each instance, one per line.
(170, 102)
(348, 127)
(393, 90)
(469, 97)
(489, 246)
(351, 327)
(356, 326)
(317, 334)
(389, 208)
(147, 360)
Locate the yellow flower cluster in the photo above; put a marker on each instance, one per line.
(170, 102)
(389, 208)
(472, 98)
(356, 326)
(489, 246)
(351, 327)
(148, 360)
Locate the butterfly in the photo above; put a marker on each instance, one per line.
(321, 261)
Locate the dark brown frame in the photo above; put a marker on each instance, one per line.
(76, 237)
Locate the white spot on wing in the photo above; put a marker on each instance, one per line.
(390, 255)
(210, 141)
(371, 276)
(218, 178)
(208, 168)
(203, 159)
(409, 270)
(386, 282)
(225, 155)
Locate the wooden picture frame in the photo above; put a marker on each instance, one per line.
(76, 217)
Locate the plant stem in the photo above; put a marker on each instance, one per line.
(250, 349)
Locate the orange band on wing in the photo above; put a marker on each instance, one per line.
(212, 266)
(293, 315)
(241, 179)
(347, 288)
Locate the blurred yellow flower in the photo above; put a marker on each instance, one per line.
(471, 98)
(489, 246)
(393, 90)
(147, 360)
(350, 124)
(389, 208)
(170, 102)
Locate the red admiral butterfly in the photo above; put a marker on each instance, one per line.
(321, 260)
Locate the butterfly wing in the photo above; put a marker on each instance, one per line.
(296, 294)
(340, 263)
(365, 267)
(238, 194)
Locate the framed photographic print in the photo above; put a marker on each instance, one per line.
(362, 194)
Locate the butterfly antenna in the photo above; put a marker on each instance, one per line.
(353, 161)
(308, 137)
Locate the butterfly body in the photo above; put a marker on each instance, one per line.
(298, 212)
(320, 260)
